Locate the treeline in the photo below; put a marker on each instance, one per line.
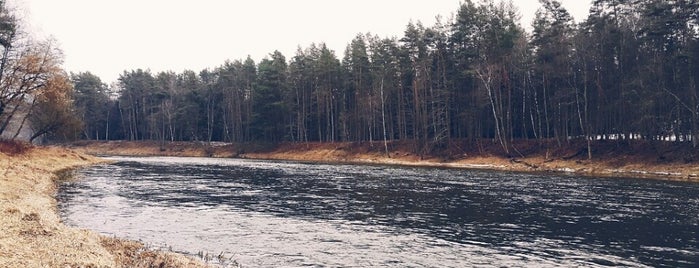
(628, 71)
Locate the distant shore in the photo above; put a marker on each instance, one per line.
(32, 232)
(616, 162)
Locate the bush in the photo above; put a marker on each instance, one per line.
(12, 147)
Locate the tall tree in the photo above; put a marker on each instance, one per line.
(136, 103)
(328, 79)
(359, 103)
(417, 46)
(385, 66)
(166, 86)
(498, 45)
(270, 111)
(92, 102)
(470, 104)
(551, 41)
(191, 109)
(667, 31)
(441, 86)
(301, 83)
(236, 80)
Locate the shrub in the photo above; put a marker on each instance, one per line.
(12, 147)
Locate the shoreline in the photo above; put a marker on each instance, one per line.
(496, 164)
(33, 233)
(612, 166)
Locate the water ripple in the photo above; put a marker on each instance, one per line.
(269, 214)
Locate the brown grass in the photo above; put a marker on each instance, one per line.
(155, 148)
(134, 254)
(658, 160)
(10, 147)
(32, 233)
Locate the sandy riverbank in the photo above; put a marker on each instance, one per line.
(631, 161)
(32, 233)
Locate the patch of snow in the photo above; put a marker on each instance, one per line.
(566, 170)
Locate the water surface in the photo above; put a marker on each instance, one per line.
(270, 214)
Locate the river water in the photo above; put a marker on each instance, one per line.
(272, 214)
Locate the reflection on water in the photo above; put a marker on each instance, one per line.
(290, 214)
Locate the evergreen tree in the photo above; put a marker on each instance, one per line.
(358, 98)
(93, 105)
(270, 111)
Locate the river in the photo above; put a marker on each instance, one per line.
(271, 214)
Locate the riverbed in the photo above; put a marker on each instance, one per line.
(271, 213)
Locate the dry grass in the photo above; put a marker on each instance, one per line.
(154, 148)
(659, 160)
(134, 254)
(32, 233)
(10, 147)
(665, 161)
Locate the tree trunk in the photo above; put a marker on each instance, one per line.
(486, 78)
(383, 120)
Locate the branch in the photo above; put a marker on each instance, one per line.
(681, 102)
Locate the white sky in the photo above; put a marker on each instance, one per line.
(107, 37)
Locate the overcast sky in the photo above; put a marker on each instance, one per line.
(107, 37)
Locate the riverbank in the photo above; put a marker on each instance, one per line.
(32, 233)
(666, 161)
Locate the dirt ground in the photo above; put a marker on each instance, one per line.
(32, 233)
(661, 160)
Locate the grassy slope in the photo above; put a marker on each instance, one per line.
(32, 233)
